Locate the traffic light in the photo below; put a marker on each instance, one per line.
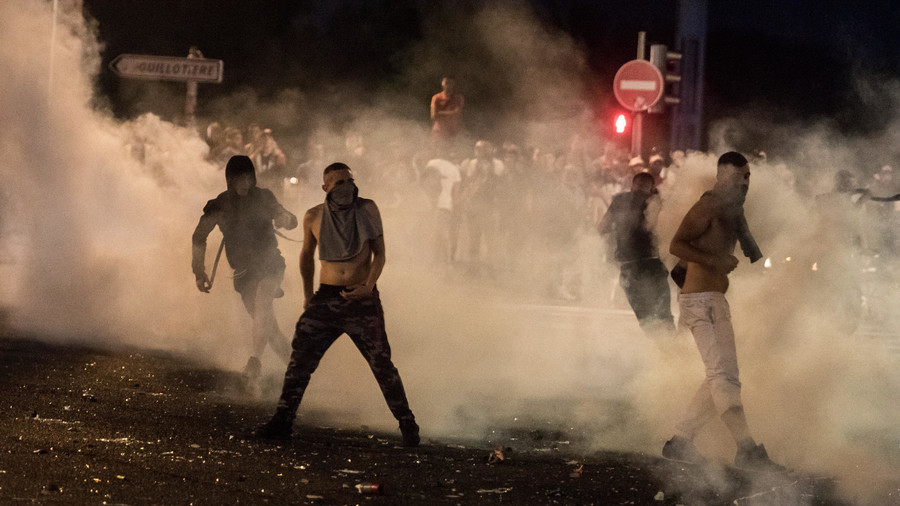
(668, 63)
(621, 123)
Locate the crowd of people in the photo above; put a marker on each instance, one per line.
(499, 210)
(504, 210)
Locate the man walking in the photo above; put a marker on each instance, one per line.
(348, 232)
(705, 240)
(247, 216)
(632, 217)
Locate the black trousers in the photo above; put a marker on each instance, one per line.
(327, 317)
(646, 285)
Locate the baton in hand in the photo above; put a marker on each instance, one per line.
(216, 263)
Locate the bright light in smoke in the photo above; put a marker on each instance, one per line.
(620, 123)
(768, 263)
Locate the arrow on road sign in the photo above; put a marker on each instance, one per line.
(167, 68)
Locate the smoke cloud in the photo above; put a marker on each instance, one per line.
(97, 214)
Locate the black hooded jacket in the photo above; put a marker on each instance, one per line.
(246, 222)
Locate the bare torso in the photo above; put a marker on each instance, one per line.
(707, 244)
(345, 273)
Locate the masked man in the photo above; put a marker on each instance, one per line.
(247, 217)
(348, 232)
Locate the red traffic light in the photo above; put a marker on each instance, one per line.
(621, 123)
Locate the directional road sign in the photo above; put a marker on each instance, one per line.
(167, 68)
(638, 85)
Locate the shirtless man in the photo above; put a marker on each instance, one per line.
(348, 233)
(446, 110)
(706, 241)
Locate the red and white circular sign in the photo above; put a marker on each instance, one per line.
(638, 85)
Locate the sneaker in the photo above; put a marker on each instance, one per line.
(410, 430)
(682, 449)
(753, 457)
(279, 427)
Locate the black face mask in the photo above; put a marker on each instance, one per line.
(342, 196)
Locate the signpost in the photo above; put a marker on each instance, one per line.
(167, 68)
(193, 69)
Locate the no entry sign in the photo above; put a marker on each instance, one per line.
(638, 85)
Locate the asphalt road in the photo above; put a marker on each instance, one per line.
(82, 425)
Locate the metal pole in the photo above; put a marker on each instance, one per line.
(190, 101)
(637, 121)
(642, 41)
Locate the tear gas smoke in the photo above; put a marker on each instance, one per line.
(97, 216)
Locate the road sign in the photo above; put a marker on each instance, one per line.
(638, 85)
(167, 68)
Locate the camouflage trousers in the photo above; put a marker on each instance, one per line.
(327, 317)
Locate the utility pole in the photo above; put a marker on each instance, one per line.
(637, 119)
(190, 101)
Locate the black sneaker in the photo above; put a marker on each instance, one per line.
(280, 427)
(754, 457)
(410, 430)
(682, 449)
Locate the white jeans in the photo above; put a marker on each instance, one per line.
(708, 316)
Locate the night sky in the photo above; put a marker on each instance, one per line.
(790, 61)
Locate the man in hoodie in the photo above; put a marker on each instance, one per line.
(705, 241)
(348, 233)
(247, 216)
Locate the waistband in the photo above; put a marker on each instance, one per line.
(336, 289)
(702, 296)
